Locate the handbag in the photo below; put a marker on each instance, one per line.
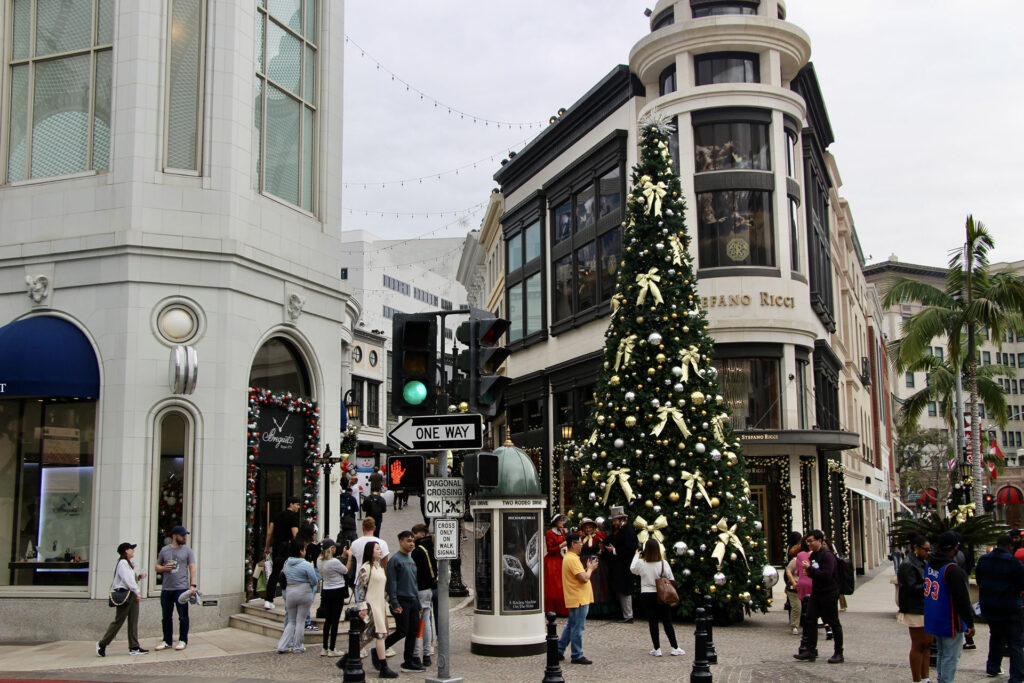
(117, 596)
(666, 589)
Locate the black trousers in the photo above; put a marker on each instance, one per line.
(656, 612)
(407, 624)
(824, 606)
(1006, 636)
(332, 600)
(275, 575)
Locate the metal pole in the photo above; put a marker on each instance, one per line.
(961, 438)
(443, 670)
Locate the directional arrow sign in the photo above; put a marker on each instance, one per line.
(439, 432)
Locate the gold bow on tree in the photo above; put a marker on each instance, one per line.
(676, 245)
(726, 538)
(592, 439)
(649, 282)
(645, 531)
(690, 356)
(664, 413)
(616, 302)
(625, 351)
(718, 425)
(654, 194)
(620, 475)
(692, 480)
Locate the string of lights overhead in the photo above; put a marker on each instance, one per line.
(415, 214)
(462, 221)
(438, 104)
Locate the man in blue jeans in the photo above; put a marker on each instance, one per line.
(579, 595)
(947, 605)
(177, 565)
(1000, 581)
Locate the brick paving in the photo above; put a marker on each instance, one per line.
(758, 650)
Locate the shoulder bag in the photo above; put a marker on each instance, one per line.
(666, 589)
(117, 596)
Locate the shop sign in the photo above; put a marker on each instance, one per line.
(281, 435)
(764, 299)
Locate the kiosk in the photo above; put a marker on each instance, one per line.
(508, 620)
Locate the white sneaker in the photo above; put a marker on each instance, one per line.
(656, 652)
(324, 652)
(678, 652)
(796, 631)
(390, 653)
(161, 646)
(364, 653)
(181, 645)
(268, 605)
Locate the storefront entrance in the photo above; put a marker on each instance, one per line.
(276, 483)
(770, 496)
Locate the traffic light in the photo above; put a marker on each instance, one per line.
(405, 473)
(482, 388)
(414, 371)
(988, 502)
(480, 470)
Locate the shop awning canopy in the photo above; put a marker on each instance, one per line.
(1009, 495)
(871, 496)
(928, 497)
(46, 356)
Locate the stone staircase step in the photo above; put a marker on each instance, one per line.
(269, 627)
(276, 614)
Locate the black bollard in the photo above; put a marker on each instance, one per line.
(351, 664)
(709, 627)
(700, 671)
(553, 671)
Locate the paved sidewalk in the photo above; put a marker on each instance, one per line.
(758, 650)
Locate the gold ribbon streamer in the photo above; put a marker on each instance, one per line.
(625, 351)
(677, 249)
(616, 302)
(648, 282)
(664, 413)
(718, 425)
(646, 531)
(620, 475)
(692, 480)
(654, 194)
(726, 538)
(592, 440)
(690, 356)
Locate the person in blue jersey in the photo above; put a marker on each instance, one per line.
(947, 605)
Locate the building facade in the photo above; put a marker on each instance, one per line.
(169, 187)
(773, 242)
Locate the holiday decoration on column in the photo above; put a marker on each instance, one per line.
(661, 443)
(308, 411)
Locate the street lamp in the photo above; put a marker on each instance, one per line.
(351, 405)
(566, 432)
(326, 461)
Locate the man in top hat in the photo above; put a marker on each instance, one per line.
(177, 565)
(619, 549)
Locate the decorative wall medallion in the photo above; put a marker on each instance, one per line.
(738, 249)
(38, 287)
(296, 302)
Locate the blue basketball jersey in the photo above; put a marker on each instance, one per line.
(940, 619)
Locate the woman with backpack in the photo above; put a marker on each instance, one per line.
(650, 566)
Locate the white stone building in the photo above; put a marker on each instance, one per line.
(170, 179)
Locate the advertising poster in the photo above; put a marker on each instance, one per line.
(520, 562)
(484, 573)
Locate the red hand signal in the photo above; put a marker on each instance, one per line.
(397, 472)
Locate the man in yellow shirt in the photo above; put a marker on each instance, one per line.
(579, 594)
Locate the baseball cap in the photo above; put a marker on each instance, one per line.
(179, 530)
(125, 546)
(948, 540)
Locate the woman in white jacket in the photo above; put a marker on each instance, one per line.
(649, 565)
(125, 578)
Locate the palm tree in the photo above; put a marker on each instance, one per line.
(939, 388)
(973, 299)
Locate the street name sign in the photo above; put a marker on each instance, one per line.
(445, 497)
(446, 539)
(439, 432)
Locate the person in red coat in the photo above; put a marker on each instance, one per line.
(554, 540)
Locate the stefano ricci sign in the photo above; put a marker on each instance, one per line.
(281, 435)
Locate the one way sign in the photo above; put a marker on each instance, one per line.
(439, 432)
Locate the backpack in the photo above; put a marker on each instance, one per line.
(374, 506)
(847, 580)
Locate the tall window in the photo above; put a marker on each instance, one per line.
(910, 380)
(372, 404)
(285, 113)
(666, 18)
(60, 65)
(751, 387)
(802, 391)
(184, 95)
(667, 80)
(523, 246)
(727, 67)
(794, 235)
(731, 145)
(172, 508)
(735, 229)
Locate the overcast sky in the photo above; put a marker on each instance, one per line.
(925, 97)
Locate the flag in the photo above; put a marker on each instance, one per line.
(993, 449)
(991, 470)
(952, 463)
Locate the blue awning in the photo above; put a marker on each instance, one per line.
(46, 356)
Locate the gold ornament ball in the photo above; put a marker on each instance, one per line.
(697, 397)
(600, 419)
(672, 463)
(630, 421)
(656, 477)
(649, 503)
(604, 454)
(711, 588)
(640, 319)
(686, 328)
(464, 407)
(657, 495)
(673, 496)
(715, 502)
(660, 358)
(651, 371)
(614, 380)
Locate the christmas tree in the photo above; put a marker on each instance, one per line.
(662, 445)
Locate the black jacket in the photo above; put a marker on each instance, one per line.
(619, 577)
(824, 579)
(910, 579)
(1000, 580)
(956, 581)
(426, 567)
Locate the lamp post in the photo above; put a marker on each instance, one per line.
(327, 460)
(352, 401)
(566, 432)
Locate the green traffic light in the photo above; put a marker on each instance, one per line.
(414, 392)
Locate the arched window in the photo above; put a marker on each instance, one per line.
(278, 366)
(173, 439)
